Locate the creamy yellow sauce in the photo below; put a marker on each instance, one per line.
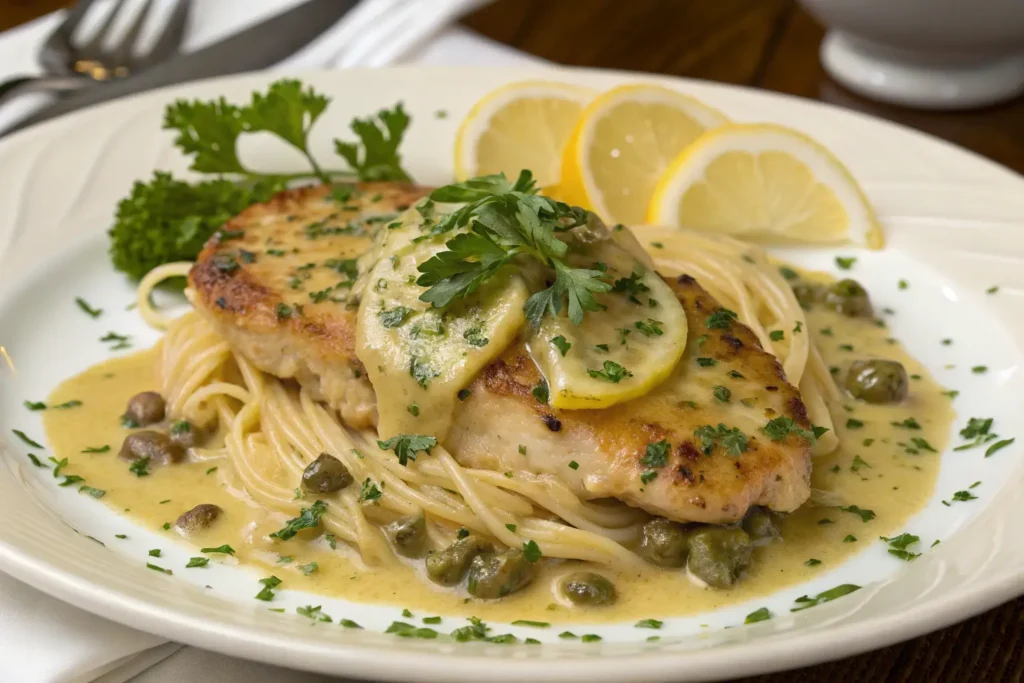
(893, 483)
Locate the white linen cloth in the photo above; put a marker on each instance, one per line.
(43, 640)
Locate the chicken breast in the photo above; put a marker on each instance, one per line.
(274, 281)
(695, 449)
(724, 432)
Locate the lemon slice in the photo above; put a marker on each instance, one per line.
(764, 182)
(519, 126)
(623, 143)
(620, 352)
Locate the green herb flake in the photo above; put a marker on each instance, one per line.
(309, 518)
(865, 515)
(159, 569)
(266, 593)
(561, 344)
(26, 440)
(758, 615)
(97, 449)
(845, 262)
(406, 446)
(197, 562)
(531, 551)
(805, 602)
(87, 309)
(649, 623)
(222, 549)
(611, 372)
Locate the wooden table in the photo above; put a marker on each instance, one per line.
(770, 44)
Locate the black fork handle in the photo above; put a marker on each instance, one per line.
(22, 85)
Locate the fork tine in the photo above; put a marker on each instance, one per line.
(122, 53)
(55, 51)
(94, 47)
(170, 40)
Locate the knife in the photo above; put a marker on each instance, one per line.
(254, 48)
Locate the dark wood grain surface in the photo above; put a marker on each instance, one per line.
(769, 44)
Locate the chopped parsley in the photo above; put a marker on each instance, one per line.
(781, 427)
(812, 562)
(979, 369)
(722, 393)
(964, 496)
(789, 273)
(720, 319)
(611, 372)
(222, 549)
(865, 515)
(394, 317)
(806, 602)
(266, 593)
(573, 465)
(474, 336)
(531, 624)
(315, 614)
(992, 290)
(898, 546)
(26, 440)
(650, 328)
(656, 454)
(406, 446)
(858, 463)
(159, 569)
(758, 615)
(309, 518)
(903, 284)
(369, 491)
(140, 467)
(850, 538)
(649, 623)
(308, 569)
(197, 562)
(853, 424)
(845, 262)
(94, 492)
(731, 439)
(531, 551)
(97, 449)
(540, 392)
(909, 423)
(87, 309)
(706, 362)
(998, 446)
(561, 344)
(776, 335)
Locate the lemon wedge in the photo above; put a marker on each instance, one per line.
(764, 182)
(623, 143)
(519, 126)
(629, 347)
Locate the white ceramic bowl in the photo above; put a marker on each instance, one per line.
(937, 54)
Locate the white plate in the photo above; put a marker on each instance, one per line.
(955, 227)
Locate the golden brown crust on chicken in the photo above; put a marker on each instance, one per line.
(609, 447)
(274, 282)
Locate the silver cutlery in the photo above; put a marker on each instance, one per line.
(256, 47)
(72, 64)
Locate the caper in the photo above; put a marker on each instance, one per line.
(199, 517)
(762, 525)
(587, 589)
(808, 294)
(663, 543)
(409, 536)
(877, 381)
(718, 555)
(449, 566)
(184, 433)
(849, 298)
(145, 408)
(326, 474)
(156, 446)
(495, 575)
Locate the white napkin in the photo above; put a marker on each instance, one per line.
(43, 640)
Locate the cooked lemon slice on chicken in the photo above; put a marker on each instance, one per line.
(764, 182)
(620, 353)
(623, 143)
(519, 126)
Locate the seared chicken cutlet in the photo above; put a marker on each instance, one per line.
(275, 282)
(694, 449)
(697, 445)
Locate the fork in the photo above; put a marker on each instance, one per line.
(71, 65)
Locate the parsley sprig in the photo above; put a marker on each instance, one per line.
(507, 221)
(167, 219)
